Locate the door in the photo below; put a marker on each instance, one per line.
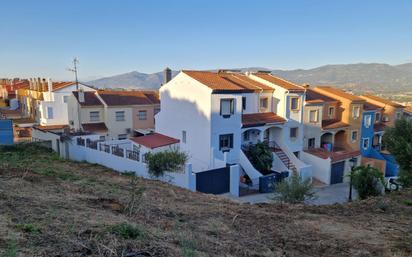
(337, 171)
(215, 181)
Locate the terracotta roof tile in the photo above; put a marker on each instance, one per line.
(94, 127)
(227, 81)
(280, 82)
(333, 124)
(334, 155)
(119, 98)
(332, 92)
(260, 119)
(51, 127)
(382, 101)
(312, 95)
(408, 109)
(90, 99)
(60, 85)
(370, 107)
(155, 140)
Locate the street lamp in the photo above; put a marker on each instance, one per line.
(352, 162)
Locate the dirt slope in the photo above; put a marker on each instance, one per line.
(51, 207)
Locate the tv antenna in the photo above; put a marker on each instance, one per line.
(74, 70)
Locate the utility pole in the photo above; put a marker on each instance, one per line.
(74, 70)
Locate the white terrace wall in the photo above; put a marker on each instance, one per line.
(185, 179)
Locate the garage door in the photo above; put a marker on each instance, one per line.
(336, 175)
(215, 181)
(6, 132)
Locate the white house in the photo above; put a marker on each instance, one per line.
(53, 108)
(215, 113)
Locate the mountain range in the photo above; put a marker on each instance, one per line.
(361, 77)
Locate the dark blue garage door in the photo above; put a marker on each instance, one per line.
(215, 181)
(6, 132)
(336, 175)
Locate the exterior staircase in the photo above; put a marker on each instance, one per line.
(282, 156)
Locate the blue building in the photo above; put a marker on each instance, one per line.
(371, 140)
(6, 132)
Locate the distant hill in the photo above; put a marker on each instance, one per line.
(357, 77)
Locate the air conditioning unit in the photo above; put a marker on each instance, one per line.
(128, 130)
(71, 122)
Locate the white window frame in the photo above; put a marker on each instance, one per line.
(355, 115)
(94, 117)
(297, 103)
(368, 121)
(316, 116)
(50, 114)
(351, 135)
(141, 116)
(297, 132)
(120, 115)
(378, 114)
(265, 101)
(363, 143)
(230, 108)
(331, 113)
(184, 136)
(122, 136)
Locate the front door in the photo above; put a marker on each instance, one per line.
(337, 171)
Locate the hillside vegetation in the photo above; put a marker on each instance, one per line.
(53, 207)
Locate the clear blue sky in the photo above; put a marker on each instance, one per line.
(39, 38)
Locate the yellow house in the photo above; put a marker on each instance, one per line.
(391, 111)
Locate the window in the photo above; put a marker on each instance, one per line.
(331, 112)
(398, 115)
(136, 148)
(184, 136)
(142, 115)
(122, 136)
(102, 138)
(94, 116)
(156, 110)
(246, 136)
(120, 116)
(313, 116)
(354, 135)
(311, 143)
(226, 142)
(244, 103)
(293, 132)
(368, 121)
(365, 143)
(50, 112)
(377, 117)
(294, 103)
(264, 103)
(65, 98)
(385, 118)
(227, 107)
(356, 112)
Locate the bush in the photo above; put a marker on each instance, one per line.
(294, 190)
(398, 140)
(28, 228)
(261, 157)
(127, 231)
(368, 181)
(171, 160)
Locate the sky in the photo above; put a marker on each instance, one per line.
(39, 38)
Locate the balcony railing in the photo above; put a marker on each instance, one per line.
(117, 151)
(132, 155)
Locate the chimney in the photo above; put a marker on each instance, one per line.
(43, 85)
(167, 75)
(49, 85)
(81, 95)
(305, 85)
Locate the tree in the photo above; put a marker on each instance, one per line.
(261, 157)
(294, 190)
(170, 160)
(398, 140)
(368, 181)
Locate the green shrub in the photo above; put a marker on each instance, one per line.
(368, 181)
(28, 228)
(171, 160)
(293, 190)
(127, 231)
(11, 249)
(261, 157)
(398, 141)
(407, 202)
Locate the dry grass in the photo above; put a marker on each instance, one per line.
(52, 207)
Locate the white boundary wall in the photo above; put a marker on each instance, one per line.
(185, 179)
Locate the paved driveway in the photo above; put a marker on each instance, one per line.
(337, 193)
